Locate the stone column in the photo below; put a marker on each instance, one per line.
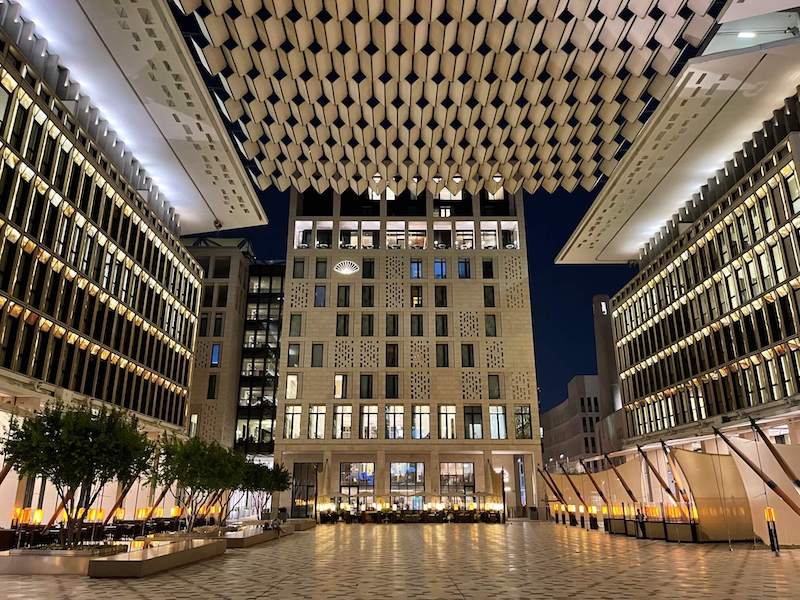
(432, 477)
(381, 476)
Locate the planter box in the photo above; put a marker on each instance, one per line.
(43, 561)
(245, 539)
(302, 524)
(149, 561)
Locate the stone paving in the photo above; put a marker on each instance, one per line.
(521, 560)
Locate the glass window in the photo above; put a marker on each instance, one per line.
(316, 422)
(467, 355)
(291, 422)
(440, 296)
(488, 268)
(392, 355)
(365, 386)
(216, 353)
(222, 295)
(299, 268)
(442, 355)
(340, 386)
(457, 480)
(291, 387)
(490, 325)
(203, 330)
(367, 296)
(343, 296)
(416, 296)
(417, 325)
(440, 268)
(222, 267)
(317, 355)
(319, 295)
(421, 422)
(367, 325)
(368, 268)
(473, 423)
(407, 484)
(441, 325)
(218, 320)
(392, 386)
(342, 421)
(392, 325)
(416, 269)
(393, 417)
(356, 480)
(293, 359)
(464, 271)
(488, 296)
(342, 325)
(211, 393)
(295, 325)
(494, 387)
(369, 422)
(497, 422)
(321, 269)
(447, 422)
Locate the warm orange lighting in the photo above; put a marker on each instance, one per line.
(141, 513)
(119, 514)
(175, 511)
(769, 514)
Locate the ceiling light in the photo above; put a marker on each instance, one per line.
(376, 178)
(746, 34)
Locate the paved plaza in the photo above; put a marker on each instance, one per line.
(521, 560)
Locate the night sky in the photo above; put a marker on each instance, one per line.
(561, 295)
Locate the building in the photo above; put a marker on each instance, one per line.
(706, 333)
(569, 428)
(99, 299)
(407, 351)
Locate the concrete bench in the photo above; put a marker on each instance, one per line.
(157, 558)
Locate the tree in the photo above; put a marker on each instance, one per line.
(261, 481)
(202, 471)
(79, 450)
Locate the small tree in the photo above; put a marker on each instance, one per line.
(201, 470)
(79, 451)
(262, 482)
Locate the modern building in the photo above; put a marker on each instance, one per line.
(99, 299)
(407, 351)
(706, 202)
(569, 427)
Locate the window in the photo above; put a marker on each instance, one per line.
(340, 386)
(203, 330)
(369, 422)
(488, 296)
(368, 268)
(295, 325)
(416, 269)
(473, 423)
(356, 481)
(291, 422)
(442, 355)
(440, 268)
(367, 325)
(222, 267)
(321, 268)
(488, 268)
(467, 355)
(367, 296)
(299, 268)
(440, 296)
(392, 325)
(216, 351)
(416, 296)
(407, 479)
(392, 386)
(365, 386)
(319, 295)
(441, 325)
(222, 295)
(317, 355)
(343, 296)
(293, 359)
(494, 387)
(342, 421)
(522, 422)
(497, 422)
(457, 480)
(342, 325)
(393, 417)
(392, 355)
(464, 271)
(211, 393)
(291, 387)
(490, 325)
(421, 422)
(447, 422)
(218, 325)
(417, 325)
(316, 422)
(193, 418)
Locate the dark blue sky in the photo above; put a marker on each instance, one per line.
(561, 295)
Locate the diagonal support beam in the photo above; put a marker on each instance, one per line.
(781, 461)
(658, 475)
(628, 490)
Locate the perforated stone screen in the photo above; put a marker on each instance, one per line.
(463, 94)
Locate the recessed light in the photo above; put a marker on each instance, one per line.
(746, 34)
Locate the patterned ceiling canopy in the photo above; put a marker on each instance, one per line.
(426, 94)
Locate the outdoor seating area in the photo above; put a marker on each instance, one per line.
(411, 516)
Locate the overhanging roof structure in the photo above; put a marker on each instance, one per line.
(439, 93)
(135, 83)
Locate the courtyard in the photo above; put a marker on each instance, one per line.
(521, 560)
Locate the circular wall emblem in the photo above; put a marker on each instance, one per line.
(346, 267)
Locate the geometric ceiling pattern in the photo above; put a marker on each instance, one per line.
(426, 94)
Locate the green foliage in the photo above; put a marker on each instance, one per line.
(261, 481)
(79, 451)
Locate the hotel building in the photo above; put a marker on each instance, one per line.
(407, 362)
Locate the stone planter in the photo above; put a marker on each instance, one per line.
(50, 561)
